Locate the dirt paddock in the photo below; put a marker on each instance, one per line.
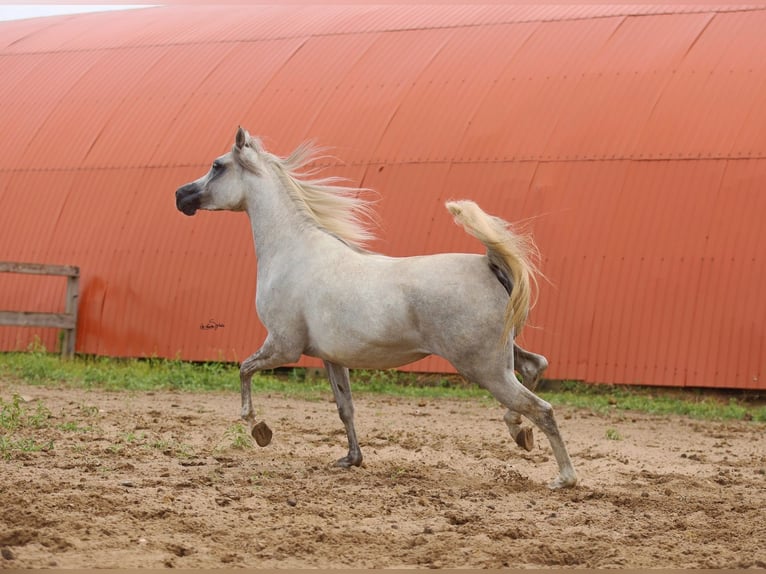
(160, 479)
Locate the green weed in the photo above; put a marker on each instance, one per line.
(133, 437)
(172, 448)
(613, 434)
(73, 426)
(89, 411)
(398, 473)
(14, 415)
(237, 437)
(9, 445)
(17, 416)
(260, 478)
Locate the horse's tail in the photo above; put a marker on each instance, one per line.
(511, 253)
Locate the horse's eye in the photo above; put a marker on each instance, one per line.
(217, 166)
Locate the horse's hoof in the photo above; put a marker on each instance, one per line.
(563, 482)
(348, 461)
(525, 438)
(261, 433)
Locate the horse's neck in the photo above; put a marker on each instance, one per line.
(278, 227)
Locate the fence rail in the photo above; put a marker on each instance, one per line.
(66, 320)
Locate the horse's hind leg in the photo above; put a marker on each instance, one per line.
(531, 367)
(512, 394)
(341, 388)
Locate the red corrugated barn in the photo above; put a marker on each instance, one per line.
(633, 139)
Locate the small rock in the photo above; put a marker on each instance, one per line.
(292, 501)
(7, 553)
(127, 483)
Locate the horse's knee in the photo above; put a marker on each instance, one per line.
(346, 412)
(246, 371)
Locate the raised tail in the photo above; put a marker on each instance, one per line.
(513, 253)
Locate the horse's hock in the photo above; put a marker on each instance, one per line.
(67, 321)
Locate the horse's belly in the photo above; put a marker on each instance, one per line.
(357, 350)
(378, 361)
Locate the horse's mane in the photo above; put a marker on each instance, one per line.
(343, 211)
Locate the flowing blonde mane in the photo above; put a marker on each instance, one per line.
(343, 211)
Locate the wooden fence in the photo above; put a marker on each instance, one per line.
(66, 320)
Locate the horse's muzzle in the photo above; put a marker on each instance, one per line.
(188, 198)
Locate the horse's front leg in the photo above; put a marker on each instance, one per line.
(269, 356)
(341, 388)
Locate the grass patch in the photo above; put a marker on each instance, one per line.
(172, 448)
(40, 368)
(236, 437)
(9, 446)
(613, 434)
(113, 374)
(118, 374)
(16, 416)
(695, 403)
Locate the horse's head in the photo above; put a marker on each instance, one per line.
(223, 186)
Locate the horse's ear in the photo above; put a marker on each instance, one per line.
(242, 138)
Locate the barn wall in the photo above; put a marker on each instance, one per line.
(631, 139)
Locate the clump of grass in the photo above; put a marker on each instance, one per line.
(613, 434)
(75, 427)
(9, 446)
(237, 437)
(172, 448)
(16, 417)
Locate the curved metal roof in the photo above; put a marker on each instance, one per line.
(630, 137)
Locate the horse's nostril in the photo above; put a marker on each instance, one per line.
(187, 199)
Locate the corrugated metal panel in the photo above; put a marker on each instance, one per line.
(620, 88)
(30, 106)
(630, 137)
(543, 76)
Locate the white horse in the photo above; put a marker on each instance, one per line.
(319, 293)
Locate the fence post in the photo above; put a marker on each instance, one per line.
(66, 321)
(72, 300)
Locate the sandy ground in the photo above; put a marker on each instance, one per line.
(156, 480)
